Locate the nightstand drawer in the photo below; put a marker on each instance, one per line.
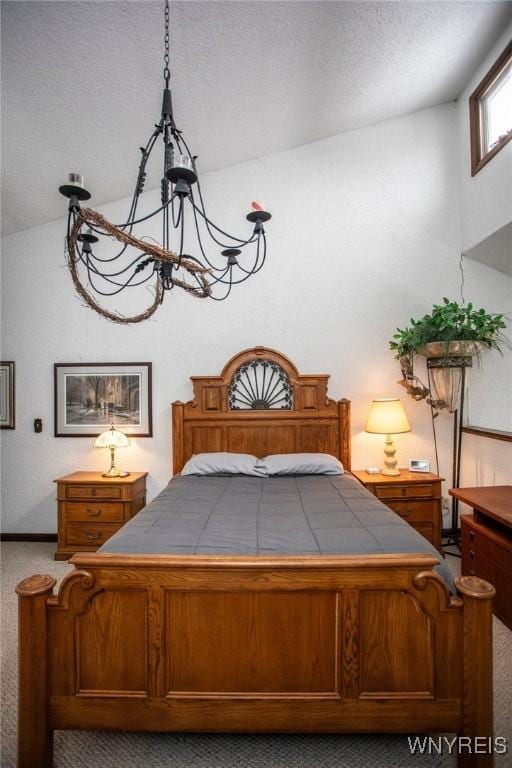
(93, 492)
(94, 511)
(404, 491)
(81, 534)
(413, 511)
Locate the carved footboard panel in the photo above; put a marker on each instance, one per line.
(344, 644)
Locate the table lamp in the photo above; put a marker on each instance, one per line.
(387, 417)
(112, 439)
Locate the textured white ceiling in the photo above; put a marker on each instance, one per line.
(81, 81)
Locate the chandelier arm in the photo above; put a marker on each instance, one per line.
(202, 210)
(115, 317)
(165, 229)
(221, 298)
(209, 223)
(256, 268)
(219, 278)
(182, 235)
(174, 219)
(153, 250)
(201, 247)
(111, 258)
(135, 199)
(88, 261)
(107, 275)
(144, 218)
(121, 286)
(146, 153)
(248, 273)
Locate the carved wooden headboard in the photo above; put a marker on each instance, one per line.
(260, 404)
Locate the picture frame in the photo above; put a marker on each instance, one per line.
(89, 397)
(419, 465)
(7, 395)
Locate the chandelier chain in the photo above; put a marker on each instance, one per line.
(167, 72)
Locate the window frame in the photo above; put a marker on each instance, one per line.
(478, 159)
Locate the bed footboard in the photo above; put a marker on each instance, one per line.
(251, 644)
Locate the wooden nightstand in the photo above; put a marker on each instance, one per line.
(92, 508)
(415, 496)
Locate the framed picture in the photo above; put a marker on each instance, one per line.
(7, 411)
(89, 397)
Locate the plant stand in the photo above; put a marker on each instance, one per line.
(453, 533)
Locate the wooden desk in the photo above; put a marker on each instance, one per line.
(487, 541)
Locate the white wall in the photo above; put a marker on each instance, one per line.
(486, 206)
(486, 199)
(365, 234)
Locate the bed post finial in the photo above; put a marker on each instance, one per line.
(35, 738)
(477, 705)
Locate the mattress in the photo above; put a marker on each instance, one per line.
(292, 515)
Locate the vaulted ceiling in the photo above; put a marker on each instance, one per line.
(81, 81)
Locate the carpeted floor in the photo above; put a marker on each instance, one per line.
(76, 749)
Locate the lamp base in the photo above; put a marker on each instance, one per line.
(390, 472)
(115, 473)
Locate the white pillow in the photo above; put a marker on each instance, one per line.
(302, 464)
(223, 464)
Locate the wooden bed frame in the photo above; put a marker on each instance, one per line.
(339, 644)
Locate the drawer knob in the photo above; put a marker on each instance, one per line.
(472, 555)
(404, 513)
(93, 536)
(94, 512)
(471, 535)
(93, 491)
(404, 491)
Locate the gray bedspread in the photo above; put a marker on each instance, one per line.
(306, 514)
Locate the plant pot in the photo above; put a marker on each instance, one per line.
(451, 349)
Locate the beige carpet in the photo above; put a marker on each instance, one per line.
(76, 749)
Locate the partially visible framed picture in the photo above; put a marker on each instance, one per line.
(89, 397)
(7, 402)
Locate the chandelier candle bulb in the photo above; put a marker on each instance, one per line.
(75, 187)
(182, 168)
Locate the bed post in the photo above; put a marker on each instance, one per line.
(345, 432)
(35, 738)
(477, 703)
(178, 459)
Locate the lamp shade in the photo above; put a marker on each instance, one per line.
(112, 438)
(387, 417)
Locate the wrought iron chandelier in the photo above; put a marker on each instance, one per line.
(165, 266)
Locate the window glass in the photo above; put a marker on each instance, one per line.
(496, 108)
(490, 112)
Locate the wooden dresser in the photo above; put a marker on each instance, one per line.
(487, 541)
(415, 496)
(91, 508)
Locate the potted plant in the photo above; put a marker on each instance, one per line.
(450, 331)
